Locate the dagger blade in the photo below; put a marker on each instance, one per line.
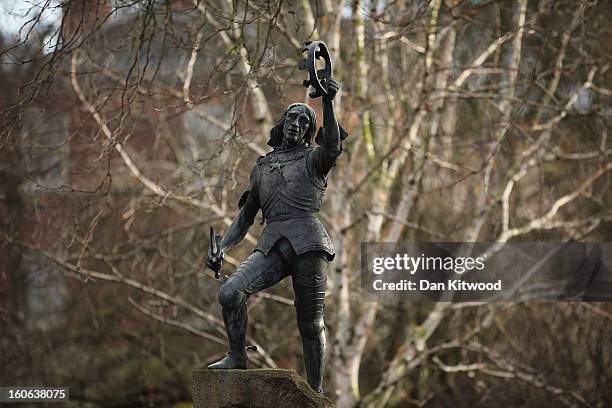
(213, 243)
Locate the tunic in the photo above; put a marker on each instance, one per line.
(288, 185)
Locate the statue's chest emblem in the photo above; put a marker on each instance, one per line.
(280, 165)
(275, 166)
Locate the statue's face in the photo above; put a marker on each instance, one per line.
(297, 123)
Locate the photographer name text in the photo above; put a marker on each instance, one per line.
(426, 285)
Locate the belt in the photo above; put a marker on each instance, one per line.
(290, 217)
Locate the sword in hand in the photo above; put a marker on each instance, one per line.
(214, 259)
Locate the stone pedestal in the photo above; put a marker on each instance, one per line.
(260, 388)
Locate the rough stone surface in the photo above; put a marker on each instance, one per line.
(257, 388)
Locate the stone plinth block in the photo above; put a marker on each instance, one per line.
(259, 388)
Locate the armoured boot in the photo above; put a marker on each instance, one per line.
(309, 281)
(314, 361)
(235, 327)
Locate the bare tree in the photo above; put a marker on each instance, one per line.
(128, 127)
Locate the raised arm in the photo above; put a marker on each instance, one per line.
(332, 139)
(330, 136)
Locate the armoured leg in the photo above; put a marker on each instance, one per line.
(309, 282)
(233, 303)
(257, 272)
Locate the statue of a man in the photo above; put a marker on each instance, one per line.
(288, 185)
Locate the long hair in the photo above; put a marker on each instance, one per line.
(276, 134)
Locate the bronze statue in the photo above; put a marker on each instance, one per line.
(287, 185)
